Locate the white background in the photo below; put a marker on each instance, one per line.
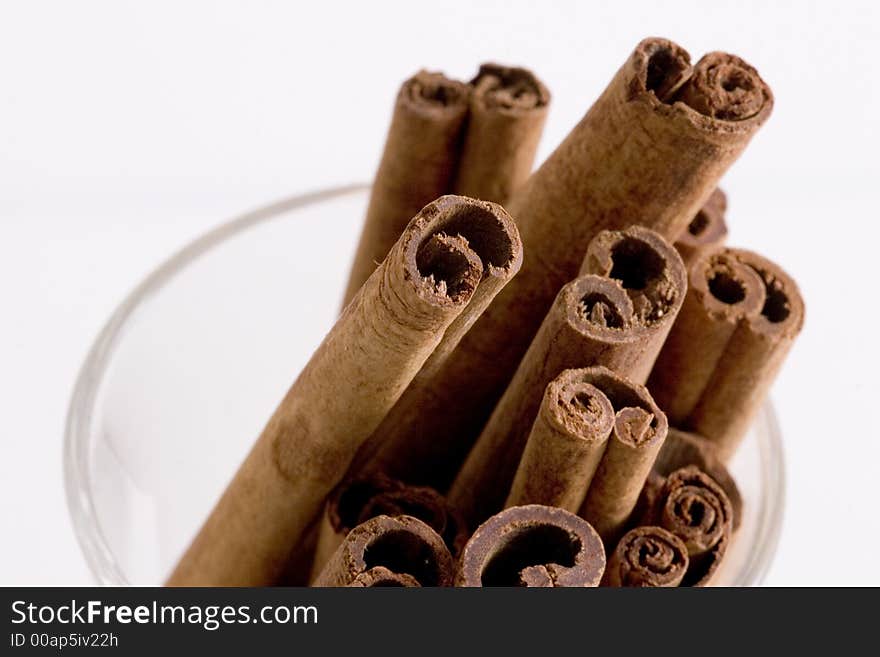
(127, 129)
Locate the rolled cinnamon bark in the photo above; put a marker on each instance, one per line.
(385, 551)
(508, 107)
(652, 274)
(396, 447)
(356, 375)
(681, 449)
(565, 445)
(752, 358)
(421, 151)
(721, 292)
(619, 322)
(640, 428)
(647, 557)
(635, 158)
(532, 545)
(696, 509)
(356, 501)
(707, 230)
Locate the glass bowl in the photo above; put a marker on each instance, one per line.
(193, 362)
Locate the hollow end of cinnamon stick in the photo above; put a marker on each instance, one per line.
(600, 307)
(647, 557)
(565, 445)
(404, 547)
(725, 87)
(783, 312)
(696, 509)
(648, 268)
(509, 89)
(457, 231)
(432, 93)
(720, 93)
(532, 545)
(681, 449)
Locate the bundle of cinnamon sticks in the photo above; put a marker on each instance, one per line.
(537, 379)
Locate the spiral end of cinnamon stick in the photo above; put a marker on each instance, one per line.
(682, 449)
(594, 304)
(405, 549)
(782, 312)
(725, 287)
(647, 557)
(532, 545)
(725, 87)
(648, 268)
(432, 92)
(722, 88)
(697, 510)
(509, 89)
(578, 409)
(661, 67)
(455, 242)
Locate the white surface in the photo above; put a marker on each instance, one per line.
(126, 129)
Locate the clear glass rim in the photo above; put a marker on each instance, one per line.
(98, 555)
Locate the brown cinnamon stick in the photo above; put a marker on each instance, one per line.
(647, 557)
(752, 359)
(357, 373)
(395, 447)
(640, 428)
(652, 274)
(356, 501)
(681, 449)
(707, 230)
(417, 165)
(635, 158)
(695, 508)
(619, 322)
(385, 551)
(721, 292)
(565, 445)
(508, 107)
(532, 545)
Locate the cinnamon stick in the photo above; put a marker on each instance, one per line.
(640, 428)
(385, 551)
(681, 449)
(417, 165)
(356, 375)
(508, 107)
(721, 292)
(695, 508)
(647, 557)
(565, 445)
(356, 501)
(619, 322)
(639, 156)
(707, 229)
(532, 545)
(751, 360)
(395, 447)
(652, 274)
